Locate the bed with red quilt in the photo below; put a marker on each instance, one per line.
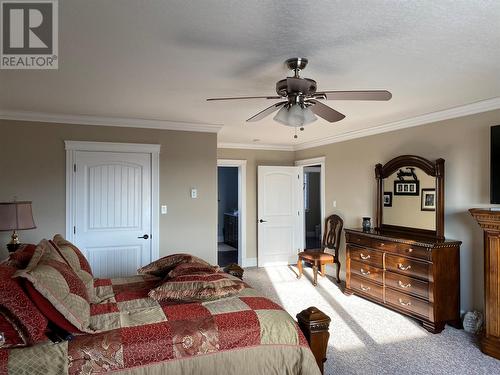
(242, 334)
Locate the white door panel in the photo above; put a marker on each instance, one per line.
(279, 202)
(113, 210)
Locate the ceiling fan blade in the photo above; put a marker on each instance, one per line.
(356, 95)
(322, 110)
(266, 112)
(245, 97)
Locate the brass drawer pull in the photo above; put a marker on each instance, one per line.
(364, 257)
(402, 267)
(404, 303)
(382, 244)
(363, 272)
(410, 250)
(404, 285)
(364, 288)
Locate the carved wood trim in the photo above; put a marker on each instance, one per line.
(314, 325)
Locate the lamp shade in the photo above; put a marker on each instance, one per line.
(295, 115)
(16, 216)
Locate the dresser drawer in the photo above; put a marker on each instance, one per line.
(406, 266)
(358, 240)
(407, 302)
(366, 271)
(366, 256)
(367, 287)
(384, 245)
(407, 284)
(413, 251)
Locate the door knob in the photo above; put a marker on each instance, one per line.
(145, 237)
(262, 221)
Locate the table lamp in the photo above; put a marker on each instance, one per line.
(15, 216)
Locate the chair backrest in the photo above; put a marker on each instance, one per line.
(332, 233)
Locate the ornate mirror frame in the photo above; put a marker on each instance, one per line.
(435, 169)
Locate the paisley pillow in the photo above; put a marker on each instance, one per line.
(191, 269)
(162, 266)
(197, 287)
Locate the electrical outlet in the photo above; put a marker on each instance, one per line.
(164, 209)
(334, 204)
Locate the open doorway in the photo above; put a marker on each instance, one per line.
(228, 216)
(313, 172)
(312, 206)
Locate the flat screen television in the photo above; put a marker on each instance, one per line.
(495, 165)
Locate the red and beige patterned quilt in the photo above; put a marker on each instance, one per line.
(243, 334)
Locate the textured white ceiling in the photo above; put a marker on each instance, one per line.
(160, 59)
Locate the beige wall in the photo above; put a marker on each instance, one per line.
(463, 143)
(32, 167)
(255, 158)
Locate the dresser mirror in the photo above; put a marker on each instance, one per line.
(410, 196)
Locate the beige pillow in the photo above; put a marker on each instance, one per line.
(77, 261)
(59, 286)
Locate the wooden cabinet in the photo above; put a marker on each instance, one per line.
(489, 220)
(231, 230)
(414, 276)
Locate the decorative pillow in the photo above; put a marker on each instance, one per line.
(22, 256)
(201, 287)
(77, 261)
(192, 268)
(59, 285)
(12, 334)
(17, 306)
(162, 266)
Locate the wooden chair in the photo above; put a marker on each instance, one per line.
(320, 257)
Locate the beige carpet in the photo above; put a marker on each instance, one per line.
(366, 338)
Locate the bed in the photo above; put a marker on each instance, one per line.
(242, 334)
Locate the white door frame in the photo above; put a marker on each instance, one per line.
(321, 161)
(153, 149)
(242, 207)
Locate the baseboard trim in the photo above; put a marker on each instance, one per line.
(249, 262)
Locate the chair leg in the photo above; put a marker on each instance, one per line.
(322, 268)
(338, 272)
(299, 267)
(315, 272)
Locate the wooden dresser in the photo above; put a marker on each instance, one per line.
(489, 220)
(414, 276)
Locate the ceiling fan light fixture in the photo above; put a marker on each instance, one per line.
(295, 115)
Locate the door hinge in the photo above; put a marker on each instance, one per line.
(298, 213)
(74, 168)
(298, 176)
(74, 230)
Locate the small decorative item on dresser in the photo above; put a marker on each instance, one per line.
(234, 270)
(15, 216)
(367, 224)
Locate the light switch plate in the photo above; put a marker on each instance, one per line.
(164, 209)
(194, 193)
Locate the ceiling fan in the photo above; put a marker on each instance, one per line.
(301, 102)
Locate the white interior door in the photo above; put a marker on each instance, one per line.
(279, 215)
(113, 211)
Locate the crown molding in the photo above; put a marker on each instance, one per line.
(447, 114)
(255, 146)
(108, 121)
